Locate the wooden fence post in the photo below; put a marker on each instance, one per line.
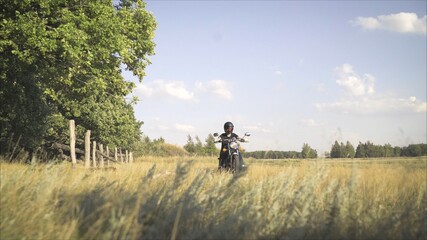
(121, 155)
(34, 156)
(108, 157)
(115, 154)
(130, 157)
(101, 158)
(127, 156)
(94, 153)
(87, 149)
(73, 142)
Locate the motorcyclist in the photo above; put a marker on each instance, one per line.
(227, 135)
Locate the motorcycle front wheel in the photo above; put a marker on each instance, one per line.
(235, 164)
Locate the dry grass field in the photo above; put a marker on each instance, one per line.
(175, 198)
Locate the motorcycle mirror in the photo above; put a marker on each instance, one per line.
(247, 134)
(215, 134)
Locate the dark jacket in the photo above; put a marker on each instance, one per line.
(223, 154)
(224, 136)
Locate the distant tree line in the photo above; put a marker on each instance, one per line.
(195, 147)
(306, 152)
(272, 154)
(370, 150)
(347, 150)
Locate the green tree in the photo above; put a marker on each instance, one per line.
(372, 150)
(63, 59)
(388, 150)
(350, 152)
(190, 147)
(305, 150)
(360, 151)
(415, 150)
(343, 150)
(397, 151)
(308, 152)
(336, 150)
(210, 147)
(199, 149)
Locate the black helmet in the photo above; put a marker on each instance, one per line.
(228, 125)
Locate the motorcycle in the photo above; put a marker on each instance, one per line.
(234, 160)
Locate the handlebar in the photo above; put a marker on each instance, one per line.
(230, 140)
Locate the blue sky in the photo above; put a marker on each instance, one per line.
(289, 72)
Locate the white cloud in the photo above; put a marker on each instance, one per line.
(362, 99)
(277, 72)
(144, 90)
(353, 83)
(219, 88)
(402, 22)
(175, 89)
(184, 128)
(369, 105)
(178, 90)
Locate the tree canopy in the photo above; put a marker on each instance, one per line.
(308, 152)
(342, 151)
(63, 60)
(200, 149)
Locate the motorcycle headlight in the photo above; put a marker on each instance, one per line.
(234, 145)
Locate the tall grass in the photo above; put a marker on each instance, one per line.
(172, 198)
